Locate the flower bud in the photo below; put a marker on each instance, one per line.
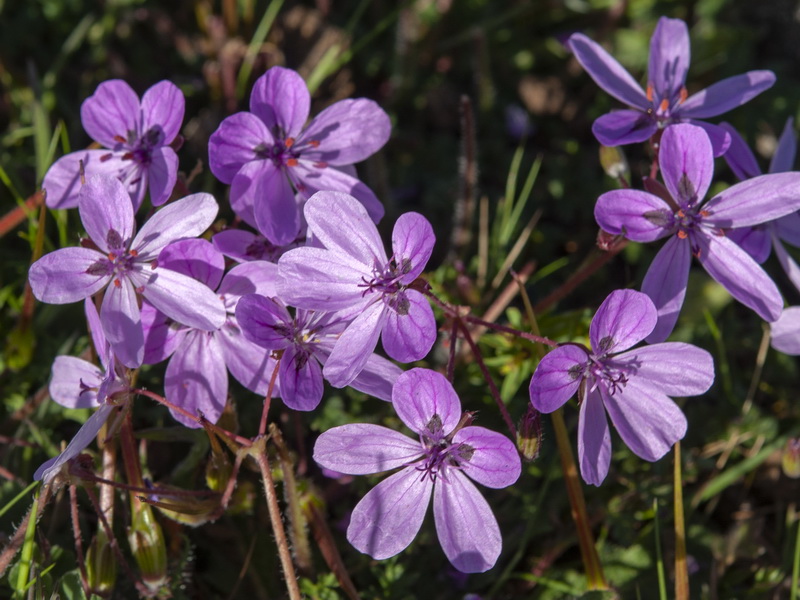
(790, 460)
(614, 162)
(148, 546)
(101, 566)
(529, 437)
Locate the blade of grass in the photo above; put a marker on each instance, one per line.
(255, 44)
(681, 567)
(17, 498)
(662, 581)
(26, 558)
(796, 565)
(524, 195)
(722, 357)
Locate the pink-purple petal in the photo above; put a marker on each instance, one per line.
(757, 200)
(669, 58)
(311, 178)
(674, 368)
(756, 241)
(377, 378)
(281, 100)
(494, 461)
(620, 127)
(624, 318)
(106, 213)
(162, 335)
(557, 377)
(250, 364)
(184, 218)
(388, 518)
(168, 290)
(234, 144)
(255, 277)
(783, 159)
(274, 206)
(301, 379)
(122, 324)
(163, 106)
(790, 266)
(665, 283)
(738, 273)
(63, 276)
(110, 113)
(786, 331)
(739, 157)
(162, 173)
(638, 215)
(647, 420)
(687, 162)
(720, 139)
(594, 440)
(412, 245)
(726, 94)
(410, 330)
(71, 380)
(355, 346)
(419, 394)
(363, 448)
(264, 321)
(62, 182)
(467, 529)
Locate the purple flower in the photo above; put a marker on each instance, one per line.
(699, 229)
(244, 246)
(786, 332)
(760, 239)
(136, 136)
(76, 383)
(633, 387)
(130, 265)
(197, 374)
(267, 155)
(441, 462)
(352, 273)
(307, 341)
(666, 99)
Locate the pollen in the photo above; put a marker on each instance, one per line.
(314, 143)
(705, 213)
(664, 105)
(684, 93)
(133, 252)
(681, 214)
(111, 256)
(288, 142)
(120, 139)
(649, 92)
(292, 162)
(321, 164)
(682, 234)
(117, 283)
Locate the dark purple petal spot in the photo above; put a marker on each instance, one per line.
(575, 372)
(659, 218)
(99, 268)
(113, 239)
(435, 424)
(604, 344)
(686, 189)
(464, 453)
(401, 304)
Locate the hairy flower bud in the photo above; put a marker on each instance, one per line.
(149, 548)
(790, 459)
(529, 436)
(101, 566)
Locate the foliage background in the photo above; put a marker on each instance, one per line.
(418, 59)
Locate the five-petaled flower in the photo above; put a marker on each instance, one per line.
(633, 386)
(698, 228)
(268, 156)
(666, 99)
(136, 137)
(440, 462)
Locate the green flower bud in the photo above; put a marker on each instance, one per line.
(148, 546)
(101, 566)
(790, 460)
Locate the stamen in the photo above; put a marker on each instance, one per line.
(117, 283)
(682, 234)
(120, 139)
(649, 92)
(683, 95)
(314, 143)
(705, 213)
(681, 214)
(127, 156)
(321, 164)
(288, 142)
(106, 157)
(664, 105)
(292, 162)
(133, 252)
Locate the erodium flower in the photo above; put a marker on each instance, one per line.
(633, 387)
(76, 383)
(353, 274)
(666, 100)
(128, 265)
(698, 228)
(269, 157)
(135, 136)
(196, 378)
(440, 462)
(307, 340)
(786, 332)
(760, 239)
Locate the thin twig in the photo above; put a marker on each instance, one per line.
(76, 531)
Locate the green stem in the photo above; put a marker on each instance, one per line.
(681, 567)
(796, 565)
(595, 579)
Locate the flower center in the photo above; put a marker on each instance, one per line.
(664, 107)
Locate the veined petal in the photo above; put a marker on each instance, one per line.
(687, 162)
(611, 76)
(111, 114)
(465, 524)
(726, 94)
(739, 157)
(313, 177)
(639, 216)
(162, 335)
(66, 275)
(348, 132)
(355, 345)
(790, 267)
(255, 277)
(738, 273)
(95, 329)
(410, 330)
(377, 378)
(168, 290)
(647, 420)
(756, 241)
(343, 226)
(665, 283)
(184, 218)
(494, 461)
(318, 279)
(122, 323)
(162, 173)
(620, 127)
(412, 245)
(388, 518)
(106, 213)
(162, 109)
(419, 395)
(281, 100)
(62, 182)
(274, 206)
(71, 378)
(83, 438)
(250, 364)
(786, 331)
(245, 246)
(196, 379)
(674, 368)
(363, 448)
(757, 200)
(788, 229)
(301, 379)
(720, 139)
(624, 318)
(783, 159)
(557, 377)
(235, 143)
(594, 439)
(243, 189)
(669, 58)
(196, 258)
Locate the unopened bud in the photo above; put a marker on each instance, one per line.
(149, 548)
(614, 162)
(101, 566)
(529, 437)
(790, 461)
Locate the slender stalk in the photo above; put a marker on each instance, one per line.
(26, 558)
(451, 359)
(662, 580)
(681, 568)
(259, 451)
(595, 579)
(262, 426)
(76, 531)
(796, 565)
